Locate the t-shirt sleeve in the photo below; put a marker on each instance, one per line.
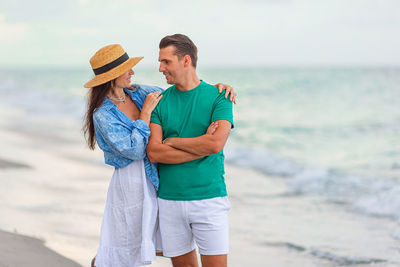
(223, 109)
(155, 115)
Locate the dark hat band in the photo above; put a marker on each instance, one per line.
(111, 65)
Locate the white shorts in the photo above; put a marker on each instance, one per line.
(202, 222)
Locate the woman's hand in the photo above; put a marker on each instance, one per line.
(212, 128)
(149, 105)
(151, 102)
(229, 90)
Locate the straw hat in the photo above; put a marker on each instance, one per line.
(109, 63)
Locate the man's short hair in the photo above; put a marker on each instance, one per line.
(183, 46)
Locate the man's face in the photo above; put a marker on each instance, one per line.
(170, 65)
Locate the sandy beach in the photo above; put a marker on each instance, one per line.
(19, 250)
(54, 189)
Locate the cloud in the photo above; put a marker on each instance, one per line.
(227, 32)
(13, 32)
(83, 2)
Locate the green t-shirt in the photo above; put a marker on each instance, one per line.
(188, 114)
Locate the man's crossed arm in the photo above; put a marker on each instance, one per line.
(177, 150)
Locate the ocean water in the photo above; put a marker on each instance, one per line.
(330, 134)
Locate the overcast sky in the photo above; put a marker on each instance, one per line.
(227, 32)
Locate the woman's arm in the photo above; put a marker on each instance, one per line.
(149, 105)
(147, 89)
(122, 141)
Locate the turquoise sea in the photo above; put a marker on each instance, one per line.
(332, 134)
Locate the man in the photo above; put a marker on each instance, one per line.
(189, 129)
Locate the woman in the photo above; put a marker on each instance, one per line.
(118, 119)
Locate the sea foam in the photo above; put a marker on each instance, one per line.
(365, 195)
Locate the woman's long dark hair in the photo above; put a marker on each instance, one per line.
(96, 97)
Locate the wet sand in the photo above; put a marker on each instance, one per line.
(23, 251)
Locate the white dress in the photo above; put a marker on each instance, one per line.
(129, 232)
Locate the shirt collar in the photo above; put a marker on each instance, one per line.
(108, 104)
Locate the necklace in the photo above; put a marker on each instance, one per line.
(121, 99)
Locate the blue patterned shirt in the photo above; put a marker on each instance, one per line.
(122, 139)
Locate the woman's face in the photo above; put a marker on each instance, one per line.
(124, 81)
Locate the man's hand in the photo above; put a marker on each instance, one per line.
(212, 128)
(229, 91)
